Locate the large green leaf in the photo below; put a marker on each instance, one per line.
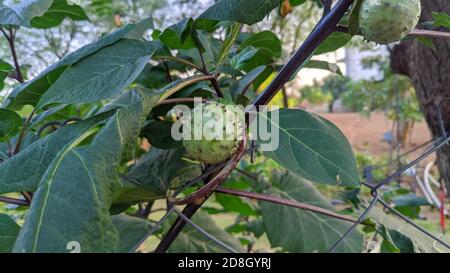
(8, 233)
(400, 236)
(312, 147)
(268, 46)
(239, 86)
(20, 14)
(297, 230)
(335, 41)
(247, 12)
(58, 11)
(442, 19)
(131, 230)
(10, 123)
(191, 241)
(23, 171)
(74, 196)
(101, 75)
(153, 174)
(316, 64)
(5, 69)
(178, 36)
(31, 92)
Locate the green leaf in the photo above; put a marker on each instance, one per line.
(158, 133)
(5, 69)
(239, 86)
(31, 92)
(235, 204)
(297, 230)
(158, 169)
(427, 42)
(20, 14)
(442, 19)
(56, 14)
(8, 233)
(131, 230)
(68, 207)
(403, 236)
(190, 241)
(239, 60)
(247, 12)
(268, 46)
(101, 75)
(312, 147)
(335, 41)
(334, 68)
(178, 36)
(233, 33)
(23, 171)
(10, 124)
(353, 19)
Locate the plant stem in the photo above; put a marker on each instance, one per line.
(166, 67)
(177, 100)
(182, 61)
(323, 29)
(14, 201)
(415, 32)
(198, 198)
(12, 46)
(176, 228)
(430, 33)
(285, 202)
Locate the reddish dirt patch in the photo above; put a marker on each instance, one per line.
(366, 134)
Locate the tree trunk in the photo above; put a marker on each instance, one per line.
(430, 73)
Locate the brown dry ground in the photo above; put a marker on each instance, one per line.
(366, 134)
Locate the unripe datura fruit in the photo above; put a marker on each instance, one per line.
(387, 21)
(220, 127)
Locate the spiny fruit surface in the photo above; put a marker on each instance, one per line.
(219, 126)
(387, 21)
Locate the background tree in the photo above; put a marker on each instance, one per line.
(429, 69)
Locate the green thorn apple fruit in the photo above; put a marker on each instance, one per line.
(217, 128)
(387, 21)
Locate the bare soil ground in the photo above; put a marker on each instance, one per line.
(366, 134)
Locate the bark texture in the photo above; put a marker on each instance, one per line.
(430, 73)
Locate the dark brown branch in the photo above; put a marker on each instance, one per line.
(198, 199)
(325, 27)
(204, 191)
(285, 202)
(166, 67)
(14, 54)
(14, 201)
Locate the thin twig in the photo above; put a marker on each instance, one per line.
(179, 100)
(358, 222)
(285, 202)
(166, 67)
(249, 175)
(14, 201)
(182, 61)
(14, 54)
(415, 32)
(205, 233)
(430, 33)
